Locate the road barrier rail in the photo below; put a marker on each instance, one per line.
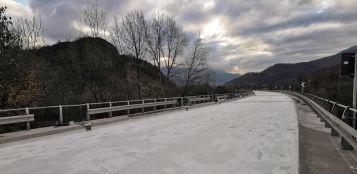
(62, 115)
(18, 119)
(340, 118)
(128, 107)
(192, 100)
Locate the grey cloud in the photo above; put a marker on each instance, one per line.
(59, 15)
(249, 23)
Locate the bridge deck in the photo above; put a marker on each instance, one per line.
(256, 135)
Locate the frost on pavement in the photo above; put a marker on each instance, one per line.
(254, 135)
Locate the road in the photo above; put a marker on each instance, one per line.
(254, 135)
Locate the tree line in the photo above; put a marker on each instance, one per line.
(158, 39)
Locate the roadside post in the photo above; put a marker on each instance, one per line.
(302, 87)
(348, 69)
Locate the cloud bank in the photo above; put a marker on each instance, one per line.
(242, 36)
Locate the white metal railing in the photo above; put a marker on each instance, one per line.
(18, 119)
(341, 123)
(129, 107)
(192, 100)
(59, 114)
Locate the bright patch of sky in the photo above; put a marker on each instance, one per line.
(24, 2)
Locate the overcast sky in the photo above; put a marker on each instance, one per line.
(242, 35)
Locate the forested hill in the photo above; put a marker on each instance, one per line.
(85, 70)
(286, 73)
(321, 77)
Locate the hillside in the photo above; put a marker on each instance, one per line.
(223, 77)
(220, 76)
(285, 73)
(85, 70)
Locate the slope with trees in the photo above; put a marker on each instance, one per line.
(90, 69)
(321, 77)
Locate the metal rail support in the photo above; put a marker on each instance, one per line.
(333, 107)
(60, 119)
(165, 104)
(28, 124)
(155, 106)
(327, 102)
(334, 132)
(142, 109)
(327, 125)
(128, 111)
(88, 115)
(345, 145)
(110, 113)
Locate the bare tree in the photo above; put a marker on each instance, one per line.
(175, 42)
(116, 37)
(94, 25)
(94, 19)
(195, 65)
(133, 31)
(29, 32)
(154, 36)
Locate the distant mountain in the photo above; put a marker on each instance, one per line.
(285, 73)
(220, 76)
(223, 77)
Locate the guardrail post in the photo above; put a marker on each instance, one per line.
(110, 113)
(155, 105)
(88, 115)
(175, 105)
(333, 107)
(334, 132)
(142, 109)
(345, 145)
(321, 119)
(60, 119)
(165, 104)
(327, 125)
(128, 111)
(28, 124)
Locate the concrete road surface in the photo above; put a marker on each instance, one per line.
(254, 135)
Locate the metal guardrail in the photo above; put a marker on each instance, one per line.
(128, 107)
(192, 100)
(340, 118)
(18, 119)
(45, 116)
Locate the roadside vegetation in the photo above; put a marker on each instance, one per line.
(132, 58)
